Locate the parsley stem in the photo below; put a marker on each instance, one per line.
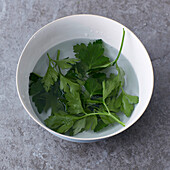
(93, 101)
(49, 57)
(58, 54)
(120, 50)
(104, 114)
(115, 61)
(92, 114)
(116, 119)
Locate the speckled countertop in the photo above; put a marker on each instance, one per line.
(26, 146)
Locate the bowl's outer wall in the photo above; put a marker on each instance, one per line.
(92, 27)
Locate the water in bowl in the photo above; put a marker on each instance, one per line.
(66, 50)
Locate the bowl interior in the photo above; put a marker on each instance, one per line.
(91, 27)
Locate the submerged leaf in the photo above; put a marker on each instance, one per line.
(67, 85)
(50, 77)
(100, 125)
(74, 103)
(79, 126)
(93, 86)
(128, 102)
(59, 119)
(109, 85)
(91, 122)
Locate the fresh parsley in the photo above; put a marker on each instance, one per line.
(84, 98)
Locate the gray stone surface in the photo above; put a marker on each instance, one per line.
(25, 145)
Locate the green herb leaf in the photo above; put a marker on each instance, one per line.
(128, 101)
(79, 126)
(53, 103)
(99, 76)
(112, 85)
(34, 77)
(111, 103)
(132, 99)
(91, 122)
(35, 87)
(100, 125)
(109, 85)
(92, 54)
(66, 63)
(59, 119)
(79, 47)
(74, 102)
(67, 85)
(108, 119)
(43, 100)
(50, 77)
(65, 127)
(77, 73)
(93, 86)
(126, 107)
(121, 74)
(118, 101)
(72, 95)
(40, 101)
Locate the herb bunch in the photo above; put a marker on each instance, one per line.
(84, 98)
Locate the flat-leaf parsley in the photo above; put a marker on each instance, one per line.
(84, 98)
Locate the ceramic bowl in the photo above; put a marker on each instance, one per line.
(92, 27)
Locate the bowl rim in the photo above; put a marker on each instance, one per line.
(77, 139)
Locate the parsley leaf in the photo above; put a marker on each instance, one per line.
(65, 127)
(100, 125)
(91, 122)
(99, 76)
(93, 86)
(91, 55)
(34, 77)
(131, 99)
(77, 73)
(109, 85)
(79, 126)
(121, 74)
(108, 119)
(67, 85)
(78, 47)
(35, 87)
(105, 94)
(127, 104)
(112, 84)
(66, 63)
(72, 95)
(111, 103)
(60, 119)
(53, 99)
(43, 100)
(50, 77)
(74, 103)
(39, 101)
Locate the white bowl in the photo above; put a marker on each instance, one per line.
(92, 27)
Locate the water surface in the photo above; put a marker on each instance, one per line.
(66, 50)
